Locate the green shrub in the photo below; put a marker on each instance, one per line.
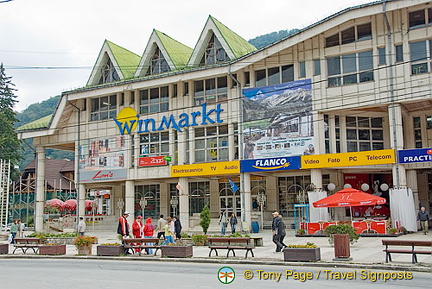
(341, 229)
(205, 219)
(199, 240)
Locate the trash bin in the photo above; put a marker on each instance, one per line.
(341, 245)
(255, 227)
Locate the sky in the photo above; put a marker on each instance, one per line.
(51, 46)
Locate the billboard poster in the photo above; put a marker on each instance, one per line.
(103, 154)
(277, 120)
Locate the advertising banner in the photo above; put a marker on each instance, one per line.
(415, 156)
(366, 158)
(104, 153)
(152, 161)
(278, 120)
(206, 169)
(271, 164)
(103, 175)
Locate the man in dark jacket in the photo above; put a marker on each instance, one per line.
(275, 231)
(177, 227)
(123, 228)
(423, 217)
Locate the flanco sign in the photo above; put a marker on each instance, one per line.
(366, 158)
(206, 169)
(128, 120)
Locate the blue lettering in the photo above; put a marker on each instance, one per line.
(146, 123)
(124, 126)
(183, 120)
(167, 123)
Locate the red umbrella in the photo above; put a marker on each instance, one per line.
(349, 197)
(71, 204)
(88, 205)
(56, 203)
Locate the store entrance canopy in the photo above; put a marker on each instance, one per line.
(349, 197)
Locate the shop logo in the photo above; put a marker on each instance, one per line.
(271, 164)
(128, 120)
(226, 275)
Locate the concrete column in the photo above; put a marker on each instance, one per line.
(191, 145)
(184, 203)
(231, 144)
(316, 178)
(182, 139)
(164, 200)
(247, 199)
(81, 200)
(40, 188)
(130, 200)
(396, 143)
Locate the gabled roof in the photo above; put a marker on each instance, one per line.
(125, 62)
(234, 45)
(176, 54)
(40, 123)
(54, 170)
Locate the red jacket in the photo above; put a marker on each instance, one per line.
(149, 228)
(137, 228)
(123, 227)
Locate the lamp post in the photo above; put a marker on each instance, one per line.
(143, 204)
(261, 199)
(120, 205)
(174, 203)
(94, 207)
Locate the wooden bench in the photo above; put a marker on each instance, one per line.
(141, 244)
(414, 250)
(27, 243)
(230, 244)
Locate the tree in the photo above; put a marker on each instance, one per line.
(10, 146)
(205, 218)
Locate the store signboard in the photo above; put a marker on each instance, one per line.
(366, 158)
(103, 176)
(270, 164)
(415, 156)
(206, 169)
(152, 161)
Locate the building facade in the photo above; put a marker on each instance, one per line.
(343, 102)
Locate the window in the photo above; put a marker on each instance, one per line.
(317, 67)
(154, 144)
(211, 144)
(260, 78)
(158, 63)
(108, 73)
(417, 19)
(103, 107)
(154, 100)
(247, 78)
(364, 133)
(292, 190)
(350, 68)
(382, 56)
(214, 52)
(199, 196)
(418, 53)
(327, 129)
(132, 97)
(302, 68)
(151, 193)
(352, 34)
(185, 88)
(287, 73)
(212, 90)
(174, 92)
(429, 122)
(417, 132)
(399, 53)
(274, 75)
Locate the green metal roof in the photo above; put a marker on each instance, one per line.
(126, 60)
(177, 52)
(237, 44)
(43, 122)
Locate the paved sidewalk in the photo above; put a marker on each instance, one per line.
(366, 253)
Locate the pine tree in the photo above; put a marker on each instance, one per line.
(10, 146)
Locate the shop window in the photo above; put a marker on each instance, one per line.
(212, 90)
(199, 196)
(292, 190)
(103, 107)
(364, 133)
(151, 207)
(154, 100)
(211, 144)
(154, 144)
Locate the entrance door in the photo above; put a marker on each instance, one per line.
(229, 202)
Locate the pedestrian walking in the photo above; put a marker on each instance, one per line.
(123, 228)
(275, 231)
(14, 230)
(137, 227)
(233, 223)
(424, 218)
(223, 222)
(20, 233)
(161, 227)
(81, 227)
(282, 232)
(168, 232)
(177, 227)
(149, 230)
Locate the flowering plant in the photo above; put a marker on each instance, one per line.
(82, 241)
(110, 244)
(307, 245)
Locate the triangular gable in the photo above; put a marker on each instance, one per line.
(233, 44)
(175, 53)
(124, 62)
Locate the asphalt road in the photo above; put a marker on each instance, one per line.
(73, 273)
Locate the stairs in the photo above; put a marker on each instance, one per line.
(107, 224)
(4, 190)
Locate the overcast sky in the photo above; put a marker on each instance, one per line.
(50, 46)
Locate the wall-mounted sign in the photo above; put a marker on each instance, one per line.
(152, 161)
(366, 158)
(128, 120)
(415, 155)
(206, 169)
(271, 164)
(103, 175)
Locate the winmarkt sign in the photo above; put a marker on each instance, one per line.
(366, 158)
(206, 169)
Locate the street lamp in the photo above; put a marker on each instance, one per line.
(261, 199)
(174, 203)
(143, 204)
(120, 205)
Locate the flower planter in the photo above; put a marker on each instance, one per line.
(302, 254)
(4, 248)
(104, 250)
(52, 250)
(177, 251)
(84, 250)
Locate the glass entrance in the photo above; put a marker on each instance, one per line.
(229, 202)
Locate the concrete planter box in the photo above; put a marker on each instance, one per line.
(302, 254)
(60, 240)
(84, 250)
(52, 250)
(177, 251)
(103, 250)
(4, 248)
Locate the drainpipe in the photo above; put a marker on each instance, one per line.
(392, 99)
